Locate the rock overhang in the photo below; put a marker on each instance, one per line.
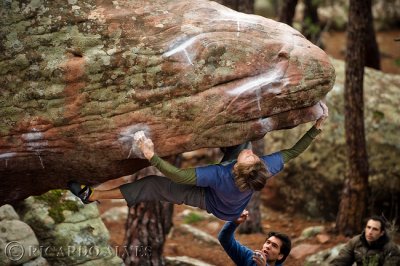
(192, 74)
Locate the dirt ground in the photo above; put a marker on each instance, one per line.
(179, 244)
(291, 225)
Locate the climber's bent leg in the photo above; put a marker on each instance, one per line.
(106, 194)
(159, 188)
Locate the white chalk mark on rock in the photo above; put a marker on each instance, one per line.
(181, 47)
(127, 138)
(32, 136)
(7, 155)
(40, 158)
(258, 95)
(267, 125)
(34, 141)
(258, 83)
(188, 57)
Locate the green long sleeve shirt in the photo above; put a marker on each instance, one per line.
(188, 176)
(180, 176)
(301, 145)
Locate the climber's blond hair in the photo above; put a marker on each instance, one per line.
(251, 176)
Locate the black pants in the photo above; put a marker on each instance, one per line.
(159, 188)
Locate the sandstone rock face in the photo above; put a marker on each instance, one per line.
(18, 243)
(78, 78)
(68, 231)
(313, 182)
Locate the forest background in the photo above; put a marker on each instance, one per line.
(321, 200)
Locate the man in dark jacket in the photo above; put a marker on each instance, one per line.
(371, 248)
(273, 253)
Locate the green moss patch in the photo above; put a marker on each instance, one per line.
(57, 204)
(193, 218)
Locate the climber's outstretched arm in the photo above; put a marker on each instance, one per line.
(307, 138)
(180, 176)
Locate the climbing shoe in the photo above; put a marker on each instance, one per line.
(81, 191)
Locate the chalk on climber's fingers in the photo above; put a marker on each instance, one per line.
(139, 135)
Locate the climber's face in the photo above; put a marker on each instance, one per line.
(247, 157)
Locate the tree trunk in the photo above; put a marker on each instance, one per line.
(146, 227)
(353, 202)
(287, 11)
(244, 6)
(311, 28)
(372, 55)
(253, 224)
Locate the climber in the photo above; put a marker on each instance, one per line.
(222, 189)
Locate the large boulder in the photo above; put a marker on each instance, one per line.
(313, 182)
(18, 242)
(78, 78)
(69, 232)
